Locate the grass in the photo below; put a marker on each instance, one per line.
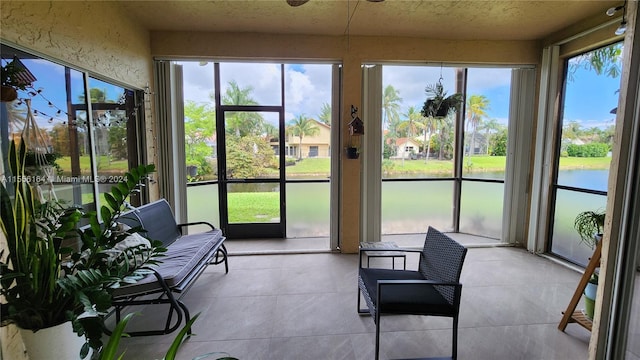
(253, 207)
(104, 166)
(479, 163)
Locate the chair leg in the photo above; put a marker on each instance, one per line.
(454, 342)
(360, 310)
(377, 336)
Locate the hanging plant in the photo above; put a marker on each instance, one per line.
(14, 76)
(438, 104)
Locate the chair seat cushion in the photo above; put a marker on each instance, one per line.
(418, 299)
(178, 262)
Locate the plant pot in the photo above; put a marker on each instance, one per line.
(591, 290)
(352, 153)
(8, 93)
(590, 299)
(192, 170)
(56, 342)
(589, 307)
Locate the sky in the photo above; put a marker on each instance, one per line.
(307, 87)
(589, 98)
(49, 106)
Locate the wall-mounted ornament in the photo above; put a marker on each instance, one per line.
(356, 128)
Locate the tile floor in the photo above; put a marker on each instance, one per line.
(303, 306)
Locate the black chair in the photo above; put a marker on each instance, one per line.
(433, 290)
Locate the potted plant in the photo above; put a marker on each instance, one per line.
(192, 168)
(11, 81)
(590, 296)
(41, 164)
(44, 284)
(438, 104)
(590, 225)
(352, 152)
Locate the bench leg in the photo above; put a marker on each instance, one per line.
(221, 253)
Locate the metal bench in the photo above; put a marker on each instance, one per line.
(187, 256)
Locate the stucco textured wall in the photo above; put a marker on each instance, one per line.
(93, 36)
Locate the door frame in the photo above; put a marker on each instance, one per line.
(248, 230)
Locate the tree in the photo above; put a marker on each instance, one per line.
(248, 157)
(490, 127)
(241, 123)
(445, 140)
(605, 60)
(199, 126)
(411, 124)
(118, 140)
(409, 127)
(390, 104)
(302, 126)
(476, 110)
(325, 114)
(499, 143)
(428, 126)
(59, 134)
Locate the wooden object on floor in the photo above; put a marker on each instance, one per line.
(571, 315)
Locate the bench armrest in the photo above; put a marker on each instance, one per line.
(196, 223)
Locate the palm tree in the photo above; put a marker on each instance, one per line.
(302, 126)
(489, 127)
(428, 126)
(410, 125)
(325, 114)
(390, 105)
(476, 110)
(242, 123)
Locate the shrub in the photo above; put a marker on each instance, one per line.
(588, 150)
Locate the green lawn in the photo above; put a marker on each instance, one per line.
(104, 166)
(480, 163)
(253, 207)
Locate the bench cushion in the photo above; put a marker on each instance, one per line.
(179, 263)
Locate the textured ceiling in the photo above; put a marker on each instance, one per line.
(469, 19)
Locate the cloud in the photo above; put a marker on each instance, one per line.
(591, 123)
(411, 80)
(307, 86)
(197, 81)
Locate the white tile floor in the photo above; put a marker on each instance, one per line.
(303, 306)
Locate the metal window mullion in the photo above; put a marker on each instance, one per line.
(334, 186)
(92, 144)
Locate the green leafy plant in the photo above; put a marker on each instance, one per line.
(44, 283)
(588, 224)
(9, 75)
(438, 104)
(109, 352)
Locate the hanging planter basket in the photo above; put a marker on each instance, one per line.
(8, 93)
(352, 153)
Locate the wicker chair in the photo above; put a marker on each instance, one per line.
(433, 290)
